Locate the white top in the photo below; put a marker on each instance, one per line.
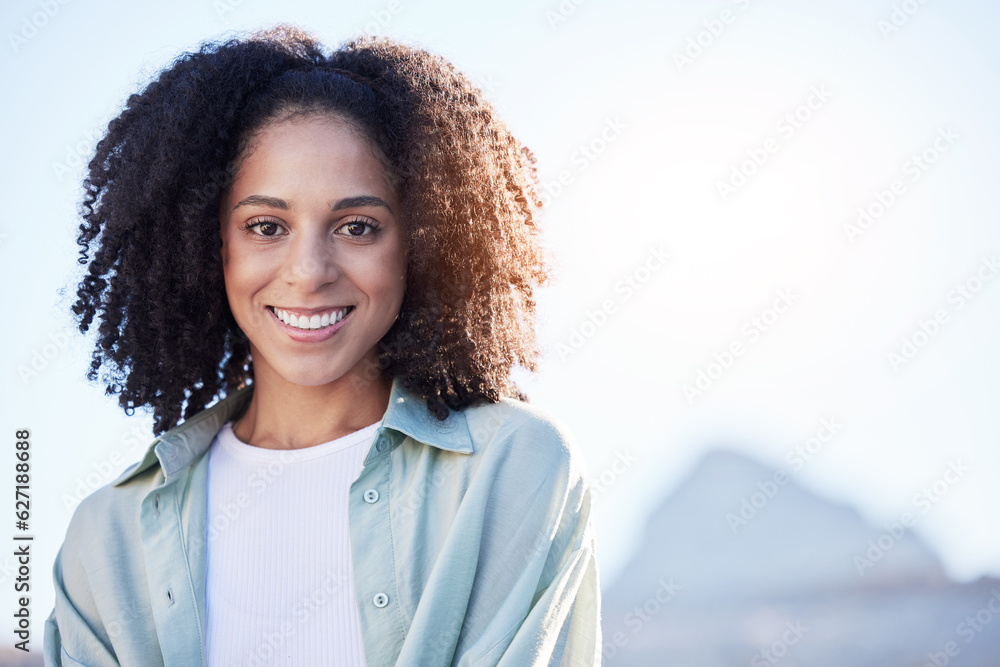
(280, 586)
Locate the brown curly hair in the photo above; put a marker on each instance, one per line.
(167, 339)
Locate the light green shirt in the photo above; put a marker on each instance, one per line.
(471, 545)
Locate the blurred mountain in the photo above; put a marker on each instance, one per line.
(740, 566)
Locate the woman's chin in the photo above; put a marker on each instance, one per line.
(308, 375)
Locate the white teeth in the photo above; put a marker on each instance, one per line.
(307, 323)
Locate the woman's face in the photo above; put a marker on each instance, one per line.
(312, 251)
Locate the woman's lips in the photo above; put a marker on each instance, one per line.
(309, 319)
(313, 335)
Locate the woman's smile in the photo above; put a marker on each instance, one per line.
(310, 319)
(311, 329)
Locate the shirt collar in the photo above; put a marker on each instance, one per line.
(406, 415)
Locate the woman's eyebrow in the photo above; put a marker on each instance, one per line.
(346, 202)
(263, 200)
(360, 200)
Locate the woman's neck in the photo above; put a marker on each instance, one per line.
(282, 415)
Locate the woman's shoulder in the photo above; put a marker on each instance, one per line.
(116, 503)
(525, 420)
(117, 508)
(110, 516)
(524, 434)
(507, 423)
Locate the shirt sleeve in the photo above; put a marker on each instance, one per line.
(74, 635)
(563, 625)
(538, 560)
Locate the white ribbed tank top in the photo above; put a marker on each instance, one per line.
(280, 588)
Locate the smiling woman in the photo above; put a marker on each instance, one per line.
(326, 265)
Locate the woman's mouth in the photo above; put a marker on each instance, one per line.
(313, 321)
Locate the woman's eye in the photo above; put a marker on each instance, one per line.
(263, 227)
(358, 228)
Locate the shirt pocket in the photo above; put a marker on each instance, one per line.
(68, 661)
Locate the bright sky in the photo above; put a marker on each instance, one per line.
(704, 165)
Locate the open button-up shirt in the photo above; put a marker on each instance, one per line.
(471, 544)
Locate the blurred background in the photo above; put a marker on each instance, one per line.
(774, 231)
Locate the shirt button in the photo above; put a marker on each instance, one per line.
(380, 600)
(381, 443)
(371, 496)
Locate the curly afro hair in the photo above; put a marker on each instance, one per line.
(166, 338)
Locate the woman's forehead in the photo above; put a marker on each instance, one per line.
(313, 151)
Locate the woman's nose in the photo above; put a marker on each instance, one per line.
(311, 263)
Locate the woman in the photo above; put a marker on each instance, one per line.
(343, 249)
